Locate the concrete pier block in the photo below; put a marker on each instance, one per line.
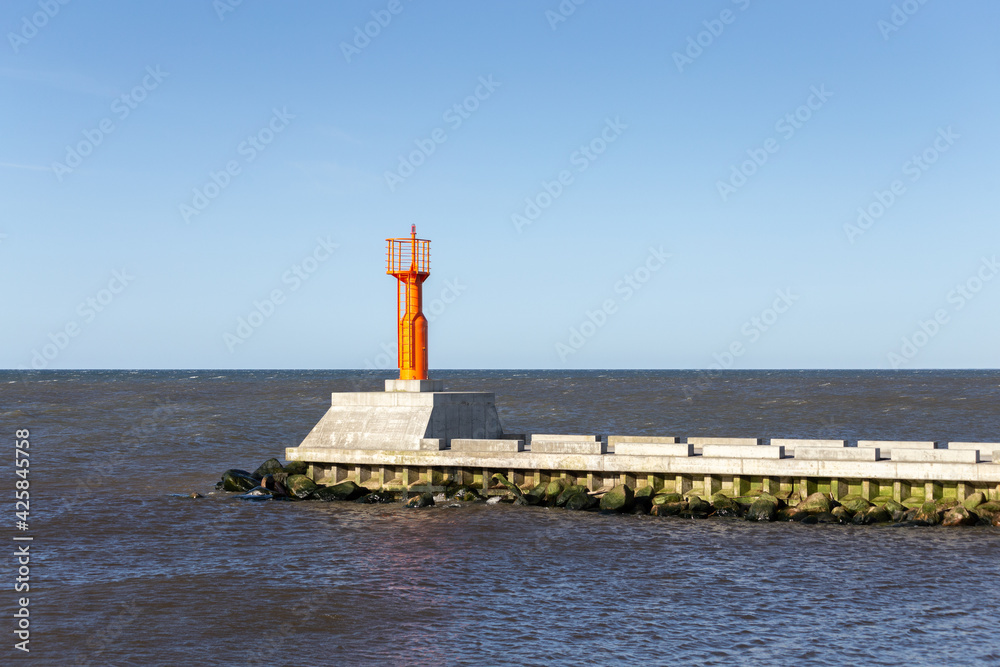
(431, 444)
(484, 445)
(936, 455)
(886, 446)
(838, 453)
(724, 441)
(986, 449)
(791, 444)
(567, 447)
(614, 440)
(653, 449)
(535, 437)
(742, 452)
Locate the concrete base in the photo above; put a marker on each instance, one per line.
(838, 453)
(414, 385)
(401, 420)
(743, 451)
(698, 442)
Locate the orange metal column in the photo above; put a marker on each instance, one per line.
(409, 263)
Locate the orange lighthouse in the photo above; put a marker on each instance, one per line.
(409, 261)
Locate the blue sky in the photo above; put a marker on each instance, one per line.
(606, 185)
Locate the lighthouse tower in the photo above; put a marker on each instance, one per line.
(414, 412)
(408, 259)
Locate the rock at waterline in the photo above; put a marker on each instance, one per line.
(959, 516)
(698, 506)
(268, 467)
(669, 509)
(238, 480)
(553, 489)
(726, 506)
(467, 494)
(296, 467)
(581, 501)
(974, 501)
(568, 493)
(815, 503)
(618, 499)
(661, 498)
(300, 486)
(843, 516)
(421, 500)
(377, 497)
(929, 513)
(763, 509)
(989, 512)
(342, 491)
(872, 515)
(855, 504)
(646, 492)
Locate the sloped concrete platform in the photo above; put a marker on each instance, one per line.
(400, 420)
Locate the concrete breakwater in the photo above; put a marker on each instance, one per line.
(415, 438)
(274, 481)
(737, 466)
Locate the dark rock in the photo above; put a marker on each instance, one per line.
(765, 508)
(343, 491)
(568, 493)
(618, 499)
(698, 506)
(467, 495)
(959, 516)
(669, 509)
(421, 500)
(815, 503)
(536, 496)
(974, 501)
(195, 494)
(988, 512)
(377, 497)
(271, 484)
(842, 514)
(826, 517)
(642, 504)
(581, 501)
(238, 480)
(646, 492)
(872, 515)
(553, 490)
(268, 467)
(929, 513)
(808, 518)
(892, 506)
(725, 506)
(498, 477)
(661, 498)
(297, 467)
(300, 486)
(854, 504)
(786, 514)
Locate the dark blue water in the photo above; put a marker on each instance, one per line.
(126, 574)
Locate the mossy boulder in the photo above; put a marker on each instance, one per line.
(725, 506)
(698, 506)
(424, 499)
(300, 486)
(553, 490)
(296, 467)
(989, 512)
(882, 500)
(268, 467)
(669, 509)
(646, 492)
(959, 516)
(568, 493)
(238, 480)
(929, 513)
(974, 501)
(892, 506)
(536, 495)
(342, 491)
(815, 503)
(581, 500)
(842, 514)
(764, 508)
(946, 503)
(854, 504)
(661, 498)
(618, 499)
(872, 515)
(914, 502)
